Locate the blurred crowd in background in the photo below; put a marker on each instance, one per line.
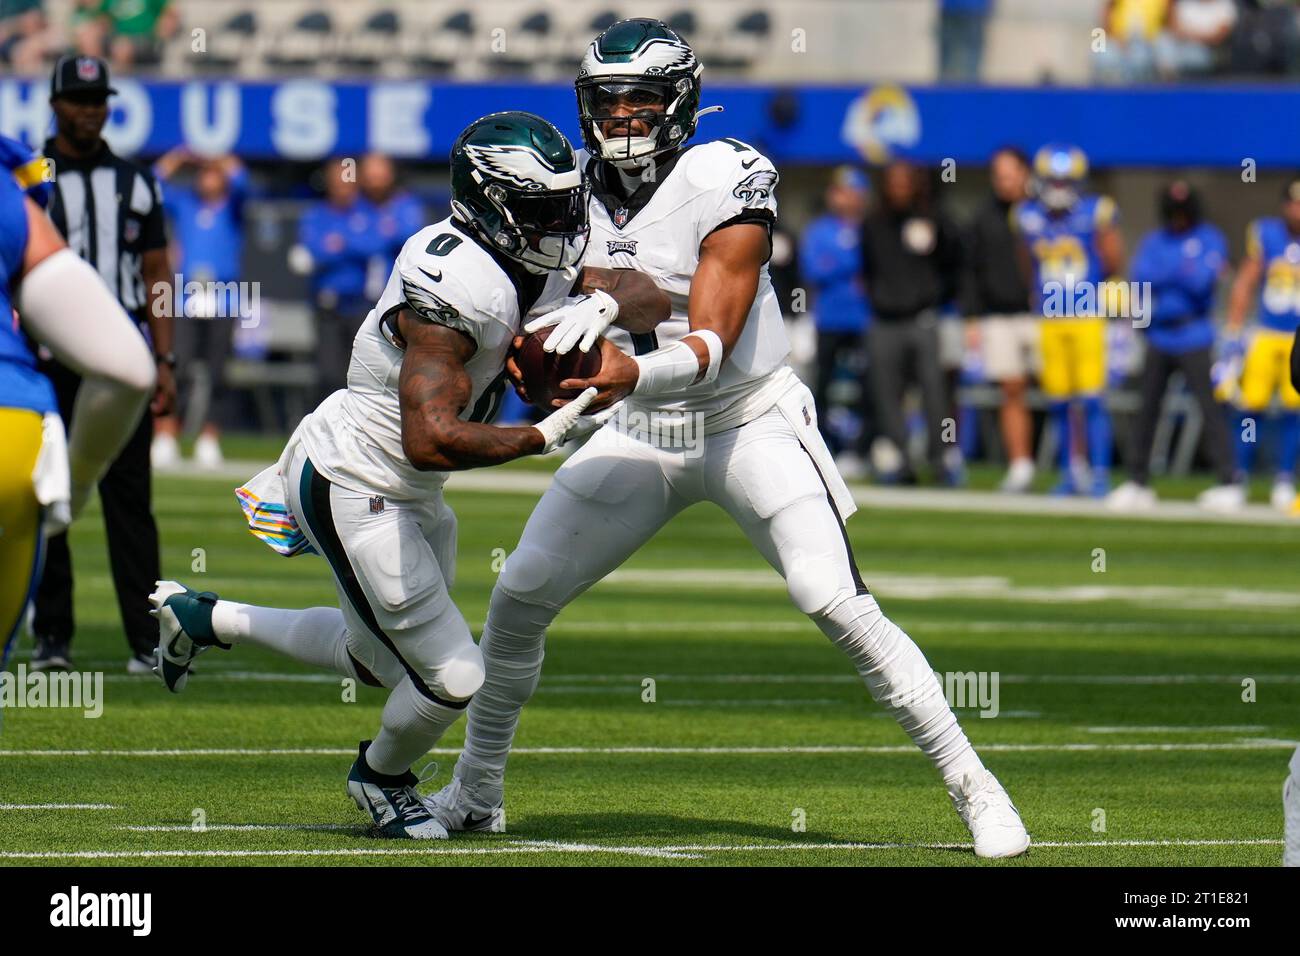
(915, 304)
(1032, 314)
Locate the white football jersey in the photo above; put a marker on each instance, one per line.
(443, 275)
(658, 231)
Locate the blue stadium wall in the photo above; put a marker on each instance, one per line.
(307, 119)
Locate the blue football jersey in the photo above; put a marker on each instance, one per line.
(1064, 247)
(21, 385)
(1269, 241)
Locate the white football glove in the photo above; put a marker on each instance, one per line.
(556, 426)
(588, 425)
(578, 322)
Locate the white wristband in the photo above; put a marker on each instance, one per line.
(714, 345)
(668, 369)
(676, 366)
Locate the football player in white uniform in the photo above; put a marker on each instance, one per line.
(360, 481)
(697, 220)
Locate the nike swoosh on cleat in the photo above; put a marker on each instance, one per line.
(171, 645)
(473, 823)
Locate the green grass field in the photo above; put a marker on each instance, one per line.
(1120, 698)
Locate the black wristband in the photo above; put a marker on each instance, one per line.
(168, 359)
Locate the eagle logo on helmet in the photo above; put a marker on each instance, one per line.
(757, 187)
(517, 165)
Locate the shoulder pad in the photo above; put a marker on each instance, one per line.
(725, 163)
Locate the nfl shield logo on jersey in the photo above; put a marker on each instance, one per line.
(377, 504)
(620, 216)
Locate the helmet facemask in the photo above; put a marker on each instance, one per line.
(614, 102)
(543, 231)
(1058, 195)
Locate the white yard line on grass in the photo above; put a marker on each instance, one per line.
(567, 683)
(506, 481)
(685, 851)
(58, 806)
(853, 679)
(984, 588)
(931, 625)
(1179, 729)
(834, 749)
(238, 827)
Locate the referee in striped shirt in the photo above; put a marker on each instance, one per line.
(110, 212)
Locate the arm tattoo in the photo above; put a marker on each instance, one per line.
(434, 389)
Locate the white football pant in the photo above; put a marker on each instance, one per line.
(396, 626)
(775, 477)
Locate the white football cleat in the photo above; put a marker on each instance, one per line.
(207, 453)
(1019, 477)
(184, 630)
(164, 451)
(141, 665)
(394, 805)
(990, 815)
(1223, 498)
(456, 809)
(1283, 495)
(1131, 496)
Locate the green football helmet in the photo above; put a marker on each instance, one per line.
(643, 69)
(515, 182)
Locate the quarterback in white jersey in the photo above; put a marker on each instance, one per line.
(659, 230)
(696, 219)
(360, 482)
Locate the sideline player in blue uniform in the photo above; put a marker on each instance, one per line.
(47, 293)
(1074, 245)
(1271, 266)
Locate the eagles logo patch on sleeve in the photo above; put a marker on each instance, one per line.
(756, 188)
(427, 305)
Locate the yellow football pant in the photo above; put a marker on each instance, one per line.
(1074, 357)
(20, 514)
(1267, 371)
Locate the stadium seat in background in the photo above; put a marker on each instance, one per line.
(306, 45)
(684, 22)
(282, 390)
(369, 48)
(229, 45)
(740, 47)
(697, 32)
(602, 22)
(442, 49)
(527, 47)
(579, 38)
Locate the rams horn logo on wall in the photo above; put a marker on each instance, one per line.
(514, 164)
(755, 188)
(880, 121)
(428, 305)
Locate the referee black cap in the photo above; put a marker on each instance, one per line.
(78, 76)
(1179, 198)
